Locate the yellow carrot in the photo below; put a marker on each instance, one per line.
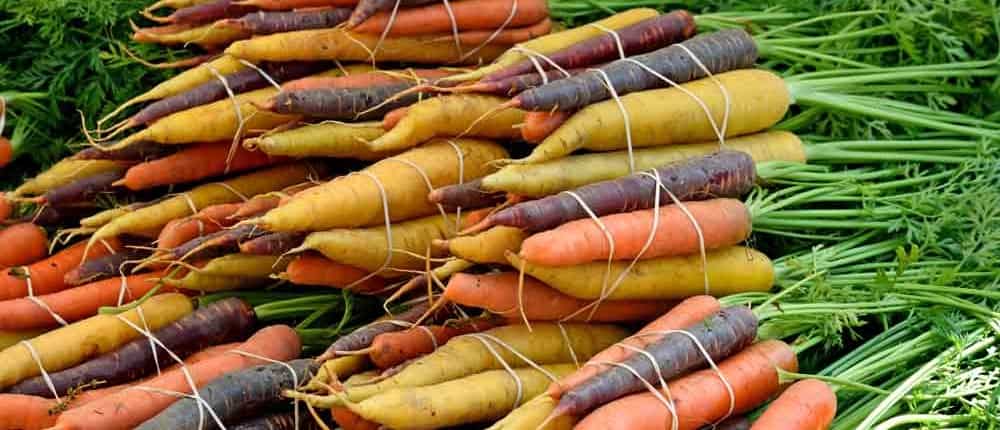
(231, 272)
(207, 36)
(328, 139)
(531, 416)
(489, 246)
(8, 338)
(65, 172)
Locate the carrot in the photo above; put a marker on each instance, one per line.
(362, 337)
(453, 115)
(338, 44)
(723, 174)
(730, 270)
(208, 36)
(312, 269)
(476, 398)
(272, 244)
(340, 140)
(64, 172)
(10, 338)
(6, 152)
(508, 36)
(127, 409)
(551, 177)
(348, 420)
(502, 294)
(719, 336)
(393, 117)
(688, 312)
(539, 125)
(207, 12)
(719, 51)
(758, 100)
(230, 272)
(722, 222)
(70, 345)
(233, 395)
(366, 8)
(295, 4)
(336, 370)
(441, 273)
(231, 190)
(735, 423)
(98, 267)
(6, 207)
(139, 151)
(532, 415)
(81, 190)
(468, 195)
(206, 221)
(192, 164)
(257, 205)
(278, 421)
(356, 200)
(47, 276)
(261, 23)
(31, 241)
(220, 322)
(391, 349)
(809, 404)
(488, 247)
(211, 245)
(557, 41)
(643, 36)
(362, 76)
(702, 397)
(463, 16)
(344, 104)
(26, 412)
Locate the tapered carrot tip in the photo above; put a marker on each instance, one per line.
(269, 105)
(486, 223)
(235, 24)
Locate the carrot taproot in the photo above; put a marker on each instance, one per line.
(233, 395)
(332, 139)
(688, 312)
(393, 117)
(539, 125)
(32, 245)
(73, 304)
(702, 397)
(273, 244)
(6, 152)
(552, 177)
(758, 100)
(230, 272)
(73, 344)
(643, 36)
(440, 273)
(475, 398)
(207, 12)
(808, 404)
(345, 104)
(337, 369)
(114, 264)
(313, 269)
(451, 115)
(26, 412)
(468, 354)
(127, 409)
(503, 294)
(339, 44)
(231, 190)
(357, 200)
(488, 247)
(139, 151)
(366, 8)
(436, 18)
(534, 414)
(362, 337)
(719, 336)
(212, 245)
(194, 163)
(206, 221)
(719, 51)
(51, 216)
(220, 322)
(358, 76)
(722, 222)
(723, 174)
(64, 172)
(7, 207)
(47, 276)
(348, 420)
(295, 4)
(391, 349)
(207, 36)
(271, 22)
(467, 195)
(730, 270)
(257, 205)
(80, 190)
(172, 4)
(557, 41)
(279, 421)
(508, 36)
(735, 423)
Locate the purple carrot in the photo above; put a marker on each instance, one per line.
(736, 423)
(720, 52)
(366, 8)
(139, 151)
(278, 421)
(221, 322)
(208, 12)
(723, 334)
(273, 244)
(213, 245)
(261, 23)
(107, 266)
(514, 85)
(363, 337)
(81, 190)
(469, 195)
(344, 104)
(724, 174)
(638, 38)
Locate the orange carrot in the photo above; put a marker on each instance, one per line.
(206, 221)
(31, 241)
(6, 207)
(6, 151)
(500, 293)
(193, 163)
(364, 80)
(539, 125)
(723, 222)
(256, 206)
(348, 420)
(474, 15)
(390, 349)
(809, 404)
(47, 276)
(702, 398)
(509, 36)
(392, 118)
(685, 314)
(127, 409)
(73, 304)
(314, 269)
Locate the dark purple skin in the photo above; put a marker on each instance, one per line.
(273, 244)
(723, 334)
(50, 216)
(208, 12)
(469, 195)
(724, 174)
(363, 337)
(82, 190)
(514, 85)
(261, 23)
(737, 423)
(278, 421)
(139, 151)
(221, 322)
(211, 91)
(107, 266)
(234, 395)
(345, 104)
(720, 52)
(638, 38)
(215, 244)
(366, 8)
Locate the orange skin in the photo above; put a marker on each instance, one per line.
(32, 245)
(348, 420)
(508, 36)
(539, 125)
(314, 269)
(476, 15)
(6, 152)
(47, 276)
(806, 405)
(6, 207)
(393, 348)
(701, 398)
(193, 163)
(393, 117)
(209, 220)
